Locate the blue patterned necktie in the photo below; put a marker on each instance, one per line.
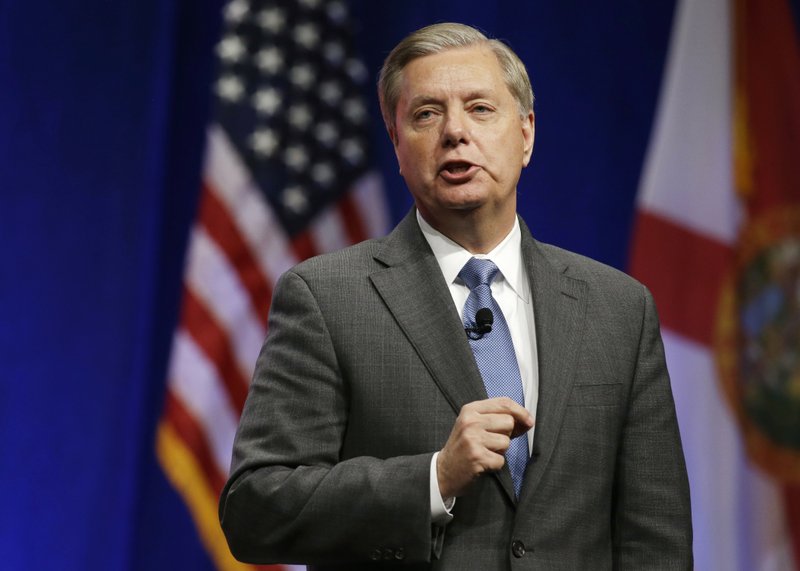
(494, 354)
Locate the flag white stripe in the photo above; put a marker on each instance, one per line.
(687, 176)
(215, 282)
(194, 380)
(732, 502)
(370, 199)
(328, 231)
(254, 218)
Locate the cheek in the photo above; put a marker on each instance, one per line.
(415, 156)
(513, 157)
(508, 164)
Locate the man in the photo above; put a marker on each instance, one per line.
(390, 423)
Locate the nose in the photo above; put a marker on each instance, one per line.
(455, 131)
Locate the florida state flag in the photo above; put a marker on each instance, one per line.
(717, 239)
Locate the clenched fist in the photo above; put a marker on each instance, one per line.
(478, 442)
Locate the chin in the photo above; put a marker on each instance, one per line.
(463, 196)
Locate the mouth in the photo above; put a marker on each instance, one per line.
(457, 171)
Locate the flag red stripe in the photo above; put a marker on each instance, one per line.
(214, 342)
(188, 429)
(303, 245)
(791, 494)
(219, 224)
(687, 302)
(769, 74)
(353, 222)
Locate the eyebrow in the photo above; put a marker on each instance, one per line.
(420, 100)
(430, 99)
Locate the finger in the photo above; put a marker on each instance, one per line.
(503, 405)
(497, 443)
(499, 423)
(505, 424)
(521, 428)
(502, 424)
(494, 461)
(522, 418)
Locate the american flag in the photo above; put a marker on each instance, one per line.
(286, 176)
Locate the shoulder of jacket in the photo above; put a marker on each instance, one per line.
(594, 273)
(352, 260)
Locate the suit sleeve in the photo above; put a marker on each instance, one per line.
(652, 526)
(291, 497)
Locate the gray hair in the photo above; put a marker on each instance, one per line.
(438, 38)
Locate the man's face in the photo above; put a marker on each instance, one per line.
(459, 137)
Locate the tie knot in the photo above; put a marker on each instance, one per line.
(476, 272)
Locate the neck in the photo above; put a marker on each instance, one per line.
(476, 234)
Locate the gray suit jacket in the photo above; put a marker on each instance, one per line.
(360, 380)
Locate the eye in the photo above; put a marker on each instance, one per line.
(481, 108)
(423, 114)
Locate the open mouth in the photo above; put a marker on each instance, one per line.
(458, 172)
(456, 168)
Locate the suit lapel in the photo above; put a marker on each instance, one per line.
(414, 290)
(559, 304)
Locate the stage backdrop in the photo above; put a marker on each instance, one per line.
(104, 115)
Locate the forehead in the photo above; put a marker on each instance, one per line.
(469, 69)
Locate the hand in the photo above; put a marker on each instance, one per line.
(480, 437)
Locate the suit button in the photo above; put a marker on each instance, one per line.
(376, 555)
(399, 554)
(517, 548)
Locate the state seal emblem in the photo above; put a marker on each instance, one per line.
(758, 341)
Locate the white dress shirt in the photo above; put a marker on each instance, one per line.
(511, 289)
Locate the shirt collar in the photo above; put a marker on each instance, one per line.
(507, 255)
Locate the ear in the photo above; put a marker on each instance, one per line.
(528, 135)
(395, 142)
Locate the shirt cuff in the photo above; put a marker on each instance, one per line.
(440, 508)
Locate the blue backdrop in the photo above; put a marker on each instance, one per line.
(102, 114)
